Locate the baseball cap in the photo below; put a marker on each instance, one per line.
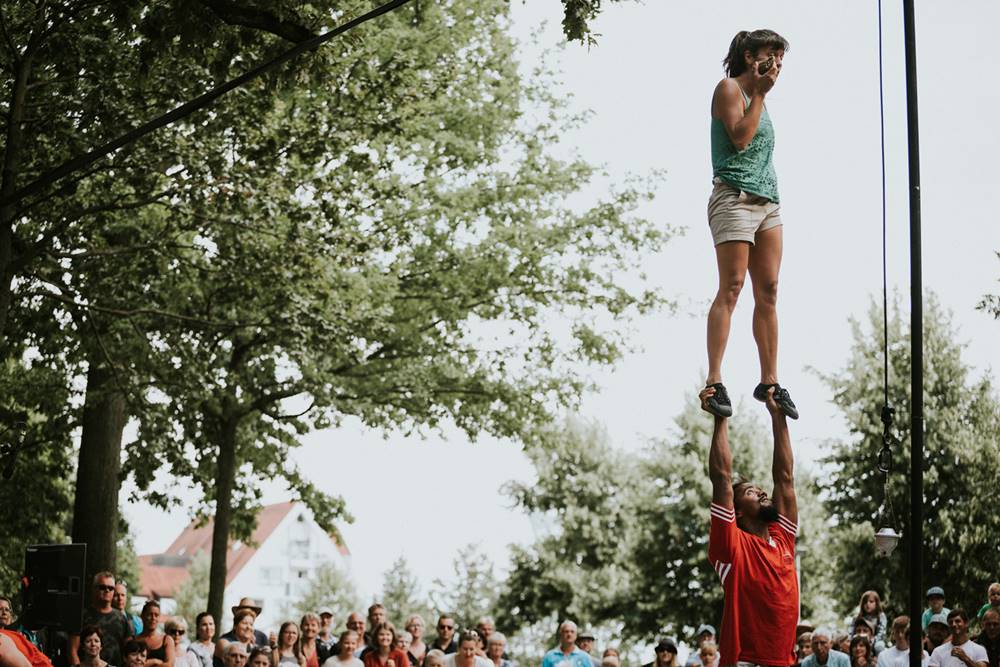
(585, 634)
(941, 618)
(705, 627)
(325, 612)
(935, 590)
(666, 645)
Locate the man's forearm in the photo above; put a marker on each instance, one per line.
(720, 457)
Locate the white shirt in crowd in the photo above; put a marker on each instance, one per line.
(893, 657)
(334, 661)
(942, 657)
(449, 661)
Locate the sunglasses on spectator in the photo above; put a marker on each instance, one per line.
(105, 588)
(445, 627)
(176, 632)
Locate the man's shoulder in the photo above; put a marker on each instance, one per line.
(838, 658)
(972, 646)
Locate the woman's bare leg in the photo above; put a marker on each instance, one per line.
(765, 262)
(732, 258)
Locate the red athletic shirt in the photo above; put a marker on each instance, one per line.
(761, 590)
(27, 649)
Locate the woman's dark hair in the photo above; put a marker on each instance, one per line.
(133, 646)
(198, 619)
(88, 630)
(869, 653)
(744, 41)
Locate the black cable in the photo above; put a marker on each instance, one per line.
(188, 108)
(885, 281)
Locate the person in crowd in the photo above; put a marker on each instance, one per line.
(235, 654)
(705, 633)
(17, 651)
(989, 638)
(356, 623)
(960, 651)
(176, 630)
(159, 647)
(751, 545)
(8, 621)
(120, 602)
(567, 652)
(485, 627)
(861, 652)
(403, 640)
(611, 651)
(134, 653)
(288, 651)
(870, 612)
(935, 605)
(260, 656)
(585, 642)
(326, 638)
(496, 648)
(383, 651)
(418, 649)
(376, 615)
(434, 658)
(898, 655)
(202, 647)
(346, 646)
(310, 649)
(938, 632)
(611, 661)
(992, 600)
(251, 605)
(708, 654)
(90, 647)
(666, 654)
(445, 640)
(860, 628)
(115, 629)
(823, 654)
(467, 654)
(803, 647)
(842, 643)
(242, 634)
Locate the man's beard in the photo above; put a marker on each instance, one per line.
(768, 514)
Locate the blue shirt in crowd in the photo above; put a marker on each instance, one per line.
(835, 659)
(556, 658)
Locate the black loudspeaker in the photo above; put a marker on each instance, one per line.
(53, 588)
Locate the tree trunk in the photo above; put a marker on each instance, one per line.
(95, 508)
(225, 480)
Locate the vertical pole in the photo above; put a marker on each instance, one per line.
(916, 345)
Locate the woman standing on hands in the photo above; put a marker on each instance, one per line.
(743, 211)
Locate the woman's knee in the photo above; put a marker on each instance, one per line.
(766, 292)
(729, 292)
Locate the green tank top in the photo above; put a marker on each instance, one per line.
(750, 169)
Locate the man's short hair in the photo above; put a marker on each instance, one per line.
(377, 605)
(958, 612)
(823, 631)
(103, 575)
(565, 623)
(233, 647)
(991, 612)
(901, 625)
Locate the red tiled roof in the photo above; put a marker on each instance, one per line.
(162, 574)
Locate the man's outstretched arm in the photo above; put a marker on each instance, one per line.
(782, 464)
(720, 458)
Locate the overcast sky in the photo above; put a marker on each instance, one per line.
(649, 83)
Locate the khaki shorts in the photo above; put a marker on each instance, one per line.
(736, 215)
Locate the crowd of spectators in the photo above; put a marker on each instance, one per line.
(112, 636)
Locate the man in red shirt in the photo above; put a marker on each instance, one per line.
(751, 545)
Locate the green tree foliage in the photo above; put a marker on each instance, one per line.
(192, 596)
(329, 588)
(961, 459)
(991, 302)
(627, 535)
(577, 15)
(402, 597)
(471, 592)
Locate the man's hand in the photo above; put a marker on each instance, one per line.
(772, 407)
(704, 395)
